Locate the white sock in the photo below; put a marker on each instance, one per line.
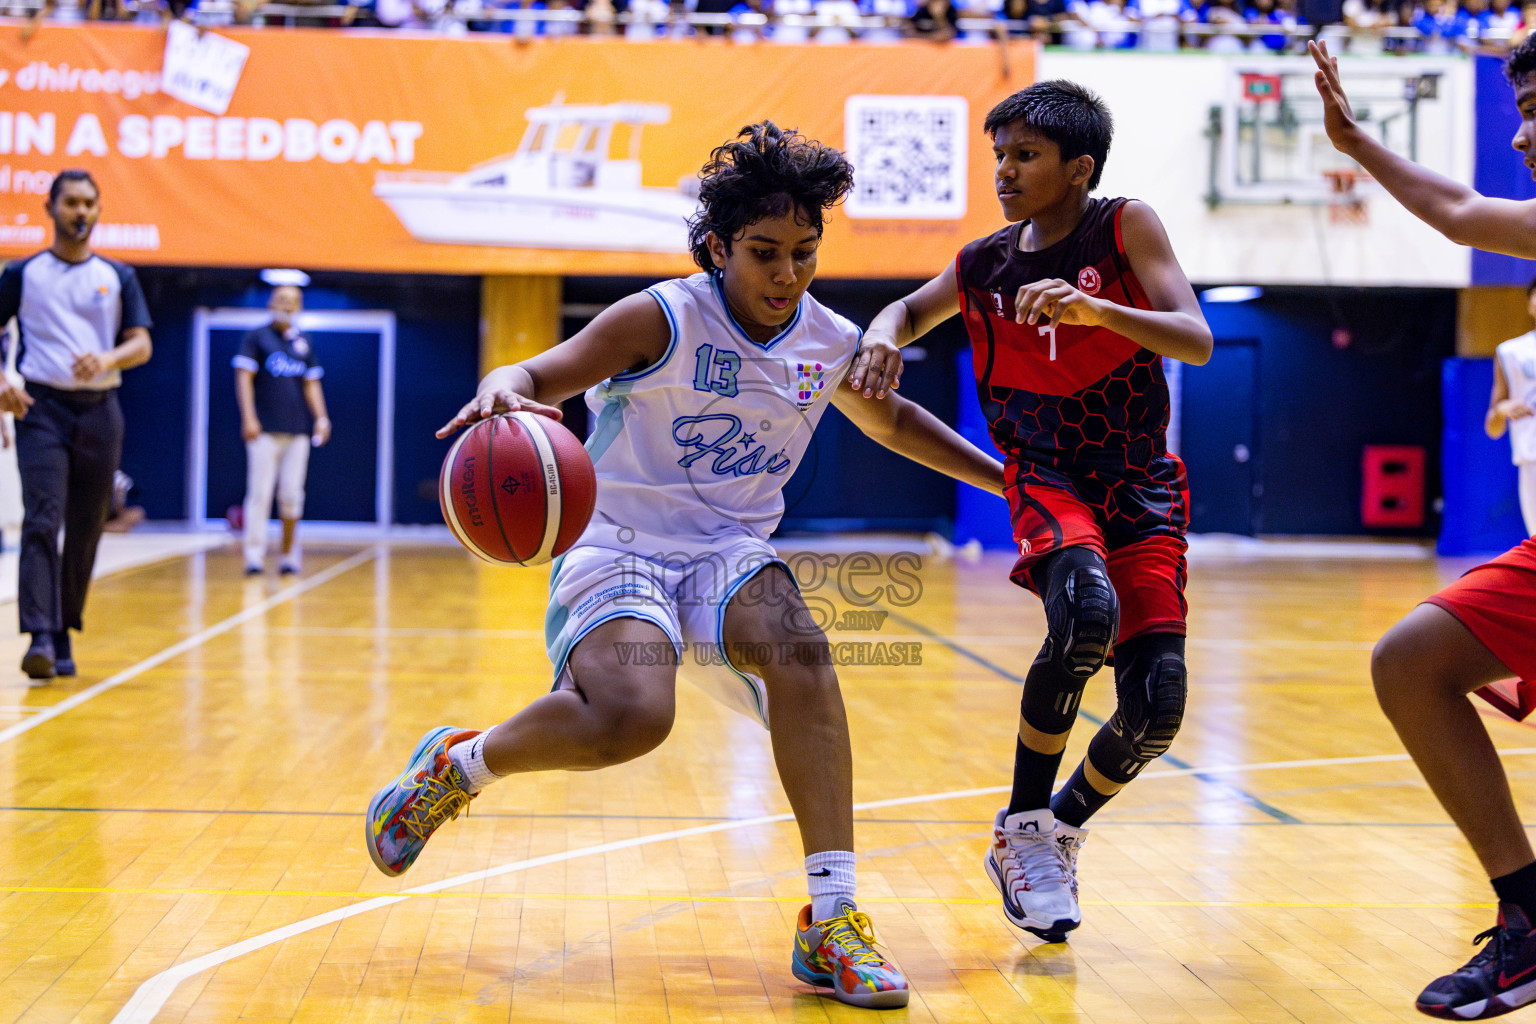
(470, 758)
(830, 876)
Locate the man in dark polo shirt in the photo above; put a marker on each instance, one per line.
(282, 413)
(82, 319)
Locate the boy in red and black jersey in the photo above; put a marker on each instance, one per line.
(1479, 629)
(1070, 311)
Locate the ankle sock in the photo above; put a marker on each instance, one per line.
(831, 879)
(469, 756)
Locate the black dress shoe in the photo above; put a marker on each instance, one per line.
(38, 662)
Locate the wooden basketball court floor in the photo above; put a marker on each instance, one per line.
(181, 830)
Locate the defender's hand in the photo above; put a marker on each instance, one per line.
(1338, 117)
(877, 367)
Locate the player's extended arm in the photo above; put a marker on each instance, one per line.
(628, 335)
(1174, 326)
(906, 428)
(914, 315)
(1461, 214)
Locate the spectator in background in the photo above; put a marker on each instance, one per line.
(1403, 17)
(647, 19)
(1044, 18)
(935, 20)
(1160, 22)
(843, 20)
(282, 413)
(600, 17)
(751, 22)
(1270, 12)
(893, 15)
(1098, 23)
(1013, 18)
(1366, 20)
(718, 8)
(790, 17)
(976, 14)
(1497, 23)
(1527, 24)
(1221, 14)
(1443, 26)
(81, 321)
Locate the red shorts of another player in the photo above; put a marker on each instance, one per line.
(1497, 602)
(1146, 566)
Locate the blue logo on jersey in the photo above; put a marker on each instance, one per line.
(720, 435)
(281, 364)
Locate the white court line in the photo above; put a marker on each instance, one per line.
(152, 995)
(177, 649)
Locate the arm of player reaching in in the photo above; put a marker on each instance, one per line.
(628, 335)
(914, 315)
(1458, 212)
(1173, 327)
(906, 428)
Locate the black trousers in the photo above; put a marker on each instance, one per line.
(68, 448)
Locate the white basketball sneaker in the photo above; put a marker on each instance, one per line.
(1071, 839)
(1029, 868)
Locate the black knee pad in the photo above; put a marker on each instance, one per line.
(1081, 614)
(1152, 685)
(1081, 617)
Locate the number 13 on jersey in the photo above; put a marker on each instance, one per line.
(716, 371)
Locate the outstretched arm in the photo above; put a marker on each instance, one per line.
(1459, 213)
(913, 316)
(628, 335)
(908, 429)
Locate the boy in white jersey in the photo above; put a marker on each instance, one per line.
(1513, 402)
(705, 391)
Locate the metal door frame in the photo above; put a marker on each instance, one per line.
(370, 321)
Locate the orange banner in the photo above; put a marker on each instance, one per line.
(382, 152)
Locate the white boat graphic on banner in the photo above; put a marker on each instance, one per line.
(561, 189)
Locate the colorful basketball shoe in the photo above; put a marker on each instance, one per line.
(839, 954)
(403, 815)
(1030, 869)
(1500, 978)
(1070, 840)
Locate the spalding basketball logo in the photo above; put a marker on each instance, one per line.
(1088, 280)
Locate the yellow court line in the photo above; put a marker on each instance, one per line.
(92, 890)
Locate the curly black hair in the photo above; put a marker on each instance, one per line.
(1521, 60)
(1066, 113)
(766, 171)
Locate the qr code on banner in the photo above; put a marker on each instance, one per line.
(908, 155)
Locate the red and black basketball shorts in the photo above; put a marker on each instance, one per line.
(1135, 522)
(1497, 602)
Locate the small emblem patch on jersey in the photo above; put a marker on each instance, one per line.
(810, 378)
(1088, 280)
(300, 347)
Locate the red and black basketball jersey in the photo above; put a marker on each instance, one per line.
(1070, 393)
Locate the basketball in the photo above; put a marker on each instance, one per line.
(517, 489)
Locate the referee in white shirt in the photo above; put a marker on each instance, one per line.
(82, 320)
